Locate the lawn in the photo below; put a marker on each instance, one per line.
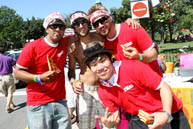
(175, 45)
(172, 51)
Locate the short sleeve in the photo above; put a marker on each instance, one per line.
(25, 58)
(144, 41)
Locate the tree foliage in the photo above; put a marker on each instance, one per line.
(168, 18)
(15, 32)
(10, 28)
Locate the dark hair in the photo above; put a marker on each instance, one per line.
(81, 18)
(99, 55)
(2, 50)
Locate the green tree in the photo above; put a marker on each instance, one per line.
(168, 18)
(10, 28)
(32, 29)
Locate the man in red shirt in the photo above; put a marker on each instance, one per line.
(138, 44)
(46, 107)
(134, 88)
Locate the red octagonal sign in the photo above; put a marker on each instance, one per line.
(139, 9)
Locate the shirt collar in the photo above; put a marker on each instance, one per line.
(50, 44)
(113, 80)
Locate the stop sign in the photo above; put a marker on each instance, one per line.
(139, 9)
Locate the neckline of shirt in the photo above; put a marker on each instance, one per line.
(50, 44)
(117, 33)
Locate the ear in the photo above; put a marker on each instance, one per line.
(47, 30)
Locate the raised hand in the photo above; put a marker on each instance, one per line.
(109, 119)
(131, 53)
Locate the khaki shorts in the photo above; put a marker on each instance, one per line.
(7, 85)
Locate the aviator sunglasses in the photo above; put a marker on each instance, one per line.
(55, 26)
(101, 21)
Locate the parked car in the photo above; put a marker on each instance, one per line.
(15, 54)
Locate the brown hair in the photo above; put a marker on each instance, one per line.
(96, 7)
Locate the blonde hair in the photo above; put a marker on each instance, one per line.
(96, 7)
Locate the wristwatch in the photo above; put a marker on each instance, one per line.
(170, 118)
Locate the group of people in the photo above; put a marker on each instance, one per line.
(132, 82)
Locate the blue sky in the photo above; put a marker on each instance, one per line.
(41, 8)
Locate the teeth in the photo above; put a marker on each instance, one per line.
(105, 69)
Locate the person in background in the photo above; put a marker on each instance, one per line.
(46, 104)
(161, 59)
(132, 88)
(7, 85)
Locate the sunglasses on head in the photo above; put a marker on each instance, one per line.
(101, 21)
(80, 21)
(55, 26)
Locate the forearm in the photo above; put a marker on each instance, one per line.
(166, 97)
(24, 75)
(71, 75)
(149, 56)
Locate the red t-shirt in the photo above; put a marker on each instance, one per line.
(134, 88)
(137, 38)
(34, 59)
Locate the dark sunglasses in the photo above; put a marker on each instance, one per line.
(80, 21)
(101, 21)
(55, 26)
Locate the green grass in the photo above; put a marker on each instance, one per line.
(171, 50)
(175, 45)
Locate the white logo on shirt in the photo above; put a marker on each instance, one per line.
(59, 54)
(128, 88)
(128, 44)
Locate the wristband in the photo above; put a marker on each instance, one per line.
(39, 79)
(140, 57)
(35, 78)
(71, 80)
(170, 118)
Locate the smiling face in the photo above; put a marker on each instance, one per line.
(102, 67)
(81, 27)
(55, 32)
(103, 25)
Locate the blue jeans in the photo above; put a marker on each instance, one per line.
(53, 115)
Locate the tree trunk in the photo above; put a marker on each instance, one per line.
(162, 35)
(170, 31)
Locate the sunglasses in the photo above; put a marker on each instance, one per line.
(101, 21)
(55, 26)
(80, 21)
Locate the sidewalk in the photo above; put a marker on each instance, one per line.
(74, 126)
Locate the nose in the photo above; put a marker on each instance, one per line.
(100, 25)
(58, 28)
(99, 66)
(80, 25)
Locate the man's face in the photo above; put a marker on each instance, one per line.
(55, 32)
(102, 67)
(81, 27)
(102, 25)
